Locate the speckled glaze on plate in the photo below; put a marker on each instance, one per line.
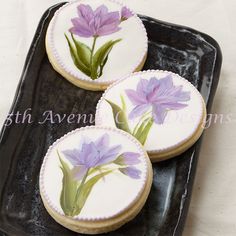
(192, 54)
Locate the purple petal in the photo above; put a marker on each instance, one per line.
(115, 149)
(161, 94)
(152, 89)
(108, 29)
(72, 156)
(78, 172)
(106, 23)
(109, 22)
(131, 171)
(138, 110)
(166, 82)
(182, 96)
(131, 158)
(102, 141)
(173, 105)
(80, 32)
(142, 87)
(152, 85)
(126, 13)
(159, 113)
(95, 23)
(176, 94)
(92, 156)
(128, 158)
(165, 87)
(81, 28)
(86, 148)
(134, 97)
(111, 17)
(85, 12)
(101, 10)
(167, 95)
(110, 155)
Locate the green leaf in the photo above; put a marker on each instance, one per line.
(76, 59)
(137, 132)
(100, 58)
(119, 117)
(69, 189)
(83, 52)
(94, 170)
(86, 190)
(123, 103)
(102, 65)
(143, 130)
(72, 51)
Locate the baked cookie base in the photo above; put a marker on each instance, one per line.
(104, 226)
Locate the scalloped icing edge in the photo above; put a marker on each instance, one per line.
(154, 152)
(61, 65)
(46, 157)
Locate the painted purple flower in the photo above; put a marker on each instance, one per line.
(128, 158)
(91, 155)
(131, 171)
(95, 23)
(125, 13)
(159, 95)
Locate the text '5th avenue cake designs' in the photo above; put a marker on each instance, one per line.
(93, 43)
(95, 179)
(162, 110)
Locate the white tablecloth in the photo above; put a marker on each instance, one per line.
(213, 207)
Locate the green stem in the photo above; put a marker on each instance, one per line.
(79, 190)
(146, 114)
(143, 136)
(140, 121)
(92, 50)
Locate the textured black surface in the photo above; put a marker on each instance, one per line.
(193, 55)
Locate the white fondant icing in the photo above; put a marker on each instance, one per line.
(179, 125)
(125, 56)
(110, 196)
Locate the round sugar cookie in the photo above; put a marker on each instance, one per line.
(164, 111)
(93, 43)
(95, 179)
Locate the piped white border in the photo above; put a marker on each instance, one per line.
(107, 129)
(98, 115)
(78, 75)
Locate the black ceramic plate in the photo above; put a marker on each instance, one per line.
(192, 54)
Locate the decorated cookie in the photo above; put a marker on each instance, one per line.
(165, 112)
(95, 179)
(93, 43)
